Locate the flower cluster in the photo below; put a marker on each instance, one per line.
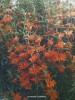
(39, 51)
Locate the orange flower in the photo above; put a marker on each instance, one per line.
(43, 66)
(34, 58)
(50, 83)
(17, 96)
(7, 19)
(36, 26)
(12, 54)
(15, 40)
(41, 48)
(20, 48)
(32, 37)
(62, 56)
(24, 55)
(54, 56)
(60, 36)
(50, 43)
(52, 93)
(35, 70)
(28, 14)
(29, 26)
(48, 76)
(15, 61)
(23, 65)
(26, 84)
(24, 76)
(47, 54)
(31, 50)
(25, 80)
(60, 45)
(8, 29)
(38, 40)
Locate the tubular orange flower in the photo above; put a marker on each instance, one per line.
(38, 40)
(34, 58)
(52, 93)
(12, 54)
(25, 80)
(29, 26)
(50, 83)
(54, 56)
(35, 70)
(17, 96)
(24, 55)
(26, 84)
(31, 50)
(60, 45)
(47, 54)
(48, 76)
(50, 43)
(36, 26)
(7, 19)
(23, 65)
(15, 61)
(20, 48)
(24, 76)
(41, 48)
(15, 40)
(43, 66)
(8, 29)
(62, 56)
(32, 37)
